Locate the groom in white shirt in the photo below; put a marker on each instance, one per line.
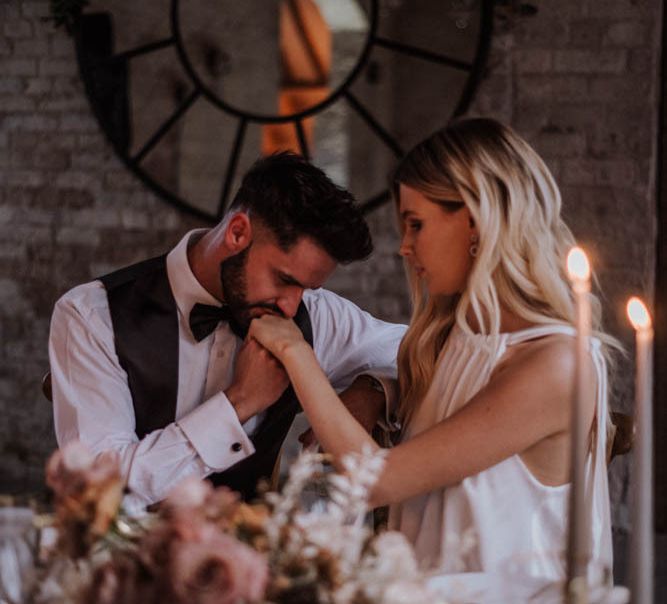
(151, 361)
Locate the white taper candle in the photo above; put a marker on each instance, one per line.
(641, 540)
(578, 551)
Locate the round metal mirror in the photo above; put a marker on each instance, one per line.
(191, 92)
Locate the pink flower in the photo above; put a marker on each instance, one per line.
(88, 491)
(194, 497)
(191, 492)
(215, 568)
(76, 456)
(73, 468)
(123, 579)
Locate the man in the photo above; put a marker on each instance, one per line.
(151, 362)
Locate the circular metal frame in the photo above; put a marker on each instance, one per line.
(476, 69)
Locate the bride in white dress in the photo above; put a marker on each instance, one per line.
(486, 368)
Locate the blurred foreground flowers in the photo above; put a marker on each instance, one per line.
(205, 546)
(87, 492)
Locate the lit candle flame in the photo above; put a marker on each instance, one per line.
(577, 265)
(638, 314)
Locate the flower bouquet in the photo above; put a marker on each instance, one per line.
(205, 546)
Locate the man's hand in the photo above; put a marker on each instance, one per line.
(259, 380)
(363, 400)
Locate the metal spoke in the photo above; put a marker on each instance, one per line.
(420, 53)
(231, 166)
(375, 202)
(303, 144)
(142, 50)
(162, 130)
(374, 125)
(481, 55)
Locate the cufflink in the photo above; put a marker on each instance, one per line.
(236, 447)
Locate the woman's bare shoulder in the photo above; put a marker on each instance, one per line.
(543, 371)
(551, 357)
(536, 379)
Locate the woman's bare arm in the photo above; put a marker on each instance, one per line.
(525, 402)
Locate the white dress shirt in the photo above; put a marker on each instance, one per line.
(93, 403)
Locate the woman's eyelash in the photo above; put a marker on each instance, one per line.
(415, 225)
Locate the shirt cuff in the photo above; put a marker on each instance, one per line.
(215, 432)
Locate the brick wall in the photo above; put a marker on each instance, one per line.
(578, 79)
(69, 211)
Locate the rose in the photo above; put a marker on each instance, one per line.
(198, 563)
(215, 568)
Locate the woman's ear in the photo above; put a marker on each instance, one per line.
(238, 233)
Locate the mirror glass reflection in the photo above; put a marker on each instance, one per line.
(280, 65)
(191, 92)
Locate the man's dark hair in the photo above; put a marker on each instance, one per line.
(293, 198)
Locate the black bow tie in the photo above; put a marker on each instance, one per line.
(204, 318)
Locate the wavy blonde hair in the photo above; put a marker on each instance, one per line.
(523, 242)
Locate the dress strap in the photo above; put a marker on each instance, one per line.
(532, 333)
(603, 417)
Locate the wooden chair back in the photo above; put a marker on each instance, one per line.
(622, 438)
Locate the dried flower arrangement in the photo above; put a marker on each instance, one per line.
(205, 546)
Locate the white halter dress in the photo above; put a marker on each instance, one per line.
(503, 517)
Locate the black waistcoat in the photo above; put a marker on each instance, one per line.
(145, 323)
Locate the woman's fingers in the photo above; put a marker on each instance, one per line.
(274, 333)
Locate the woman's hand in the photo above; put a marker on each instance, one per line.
(276, 334)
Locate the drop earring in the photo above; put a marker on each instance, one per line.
(474, 245)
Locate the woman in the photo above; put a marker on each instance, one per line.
(485, 369)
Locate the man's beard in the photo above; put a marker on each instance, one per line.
(234, 279)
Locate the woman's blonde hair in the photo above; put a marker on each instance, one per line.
(523, 242)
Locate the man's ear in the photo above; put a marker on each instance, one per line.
(238, 233)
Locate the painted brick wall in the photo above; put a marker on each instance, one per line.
(69, 211)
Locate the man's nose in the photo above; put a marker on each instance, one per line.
(289, 302)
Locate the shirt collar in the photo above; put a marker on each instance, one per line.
(184, 285)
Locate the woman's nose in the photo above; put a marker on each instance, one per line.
(405, 248)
